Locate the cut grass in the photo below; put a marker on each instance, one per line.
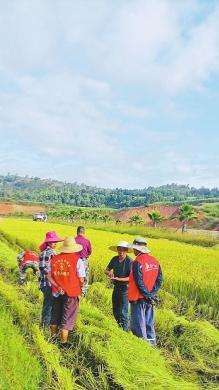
(179, 339)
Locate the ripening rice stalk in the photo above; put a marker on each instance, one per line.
(187, 289)
(19, 368)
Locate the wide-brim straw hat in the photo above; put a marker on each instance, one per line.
(50, 237)
(121, 244)
(70, 246)
(140, 244)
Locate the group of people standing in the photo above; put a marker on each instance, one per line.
(135, 282)
(64, 277)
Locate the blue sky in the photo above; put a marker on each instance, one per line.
(110, 93)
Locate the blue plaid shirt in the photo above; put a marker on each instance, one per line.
(44, 264)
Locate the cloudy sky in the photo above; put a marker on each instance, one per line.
(110, 93)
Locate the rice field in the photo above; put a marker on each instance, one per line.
(103, 356)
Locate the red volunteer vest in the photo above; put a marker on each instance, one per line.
(150, 270)
(64, 272)
(29, 256)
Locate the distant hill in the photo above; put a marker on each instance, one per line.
(33, 189)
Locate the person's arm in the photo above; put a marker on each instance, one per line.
(53, 282)
(137, 274)
(89, 248)
(44, 261)
(109, 269)
(82, 280)
(81, 272)
(126, 279)
(158, 283)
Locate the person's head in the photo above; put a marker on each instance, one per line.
(80, 230)
(122, 252)
(139, 246)
(122, 248)
(50, 240)
(51, 244)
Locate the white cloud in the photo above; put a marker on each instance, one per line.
(78, 78)
(159, 43)
(197, 58)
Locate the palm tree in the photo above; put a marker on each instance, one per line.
(186, 214)
(85, 217)
(155, 218)
(95, 216)
(135, 220)
(73, 214)
(105, 218)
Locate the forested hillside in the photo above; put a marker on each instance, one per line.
(34, 189)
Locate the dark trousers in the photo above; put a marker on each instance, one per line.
(120, 306)
(64, 311)
(47, 305)
(142, 321)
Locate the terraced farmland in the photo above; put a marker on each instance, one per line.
(103, 356)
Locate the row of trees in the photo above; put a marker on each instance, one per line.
(76, 214)
(186, 214)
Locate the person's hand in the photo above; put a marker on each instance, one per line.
(83, 291)
(61, 291)
(152, 300)
(114, 278)
(111, 274)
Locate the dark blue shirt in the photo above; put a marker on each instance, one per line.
(121, 269)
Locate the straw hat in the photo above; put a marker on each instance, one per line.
(50, 237)
(121, 244)
(140, 244)
(70, 245)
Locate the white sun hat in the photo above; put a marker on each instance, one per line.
(121, 244)
(140, 244)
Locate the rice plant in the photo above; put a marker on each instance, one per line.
(101, 351)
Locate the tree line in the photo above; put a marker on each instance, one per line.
(185, 214)
(33, 189)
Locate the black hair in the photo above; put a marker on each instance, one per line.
(80, 229)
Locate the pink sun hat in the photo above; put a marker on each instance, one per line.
(50, 237)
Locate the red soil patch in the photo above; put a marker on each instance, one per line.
(166, 211)
(11, 208)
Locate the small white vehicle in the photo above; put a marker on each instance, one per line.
(40, 217)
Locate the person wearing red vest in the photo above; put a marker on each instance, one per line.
(27, 259)
(144, 282)
(66, 275)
